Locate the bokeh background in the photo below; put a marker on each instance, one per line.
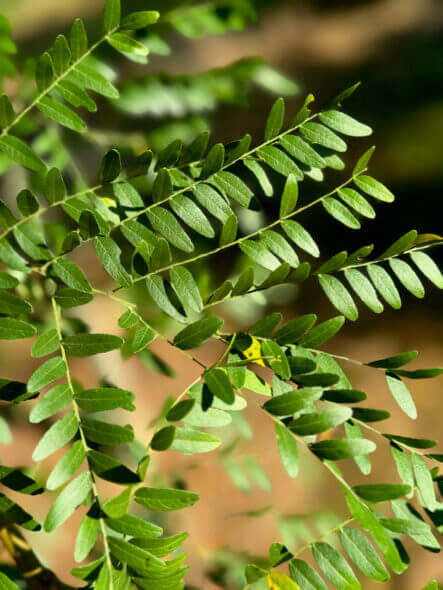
(395, 47)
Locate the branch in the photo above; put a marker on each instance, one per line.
(36, 575)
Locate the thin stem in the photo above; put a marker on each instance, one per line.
(323, 536)
(54, 83)
(248, 236)
(76, 409)
(133, 308)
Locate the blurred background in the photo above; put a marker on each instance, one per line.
(395, 47)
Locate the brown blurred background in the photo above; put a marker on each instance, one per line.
(395, 47)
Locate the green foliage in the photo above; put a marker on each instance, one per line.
(154, 219)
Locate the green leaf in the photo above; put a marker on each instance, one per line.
(229, 230)
(213, 161)
(353, 431)
(186, 288)
(58, 435)
(369, 522)
(163, 438)
(370, 415)
(46, 343)
(133, 556)
(134, 526)
(56, 399)
(416, 443)
(287, 447)
(61, 114)
(66, 298)
(110, 469)
(340, 448)
(257, 170)
(339, 296)
(11, 329)
(316, 133)
(363, 161)
(88, 77)
(403, 243)
(294, 401)
(111, 15)
(12, 305)
(289, 197)
(52, 369)
(301, 237)
(322, 332)
(68, 272)
(105, 433)
(68, 501)
(125, 44)
(211, 200)
(192, 215)
(364, 289)
(374, 188)
(277, 244)
(140, 20)
(219, 385)
(341, 213)
(189, 441)
(105, 398)
(382, 492)
(279, 161)
(357, 202)
(234, 187)
(75, 95)
(281, 581)
(424, 482)
(274, 122)
(278, 361)
(428, 267)
(301, 150)
(164, 499)
(335, 567)
(306, 577)
(66, 466)
(44, 73)
(295, 329)
(20, 153)
(401, 395)
(78, 39)
(118, 506)
(345, 124)
(320, 421)
(407, 277)
(167, 225)
(141, 338)
(197, 333)
(7, 114)
(363, 554)
(7, 281)
(259, 254)
(404, 468)
(89, 344)
(109, 254)
(27, 203)
(55, 189)
(156, 289)
(7, 584)
(111, 166)
(384, 285)
(161, 547)
(393, 362)
(86, 537)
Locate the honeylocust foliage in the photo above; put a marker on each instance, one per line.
(150, 217)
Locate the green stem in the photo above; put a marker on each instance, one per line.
(76, 409)
(248, 236)
(54, 83)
